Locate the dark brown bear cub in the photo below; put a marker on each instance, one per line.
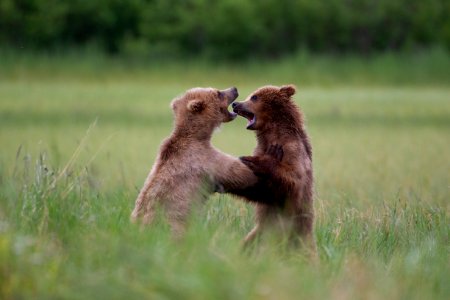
(283, 161)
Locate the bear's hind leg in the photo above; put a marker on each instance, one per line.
(262, 215)
(250, 237)
(304, 233)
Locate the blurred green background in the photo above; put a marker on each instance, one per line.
(85, 88)
(227, 29)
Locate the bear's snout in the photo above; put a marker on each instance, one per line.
(234, 91)
(234, 104)
(231, 94)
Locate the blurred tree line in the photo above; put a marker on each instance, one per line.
(230, 29)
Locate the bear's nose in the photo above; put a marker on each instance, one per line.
(234, 104)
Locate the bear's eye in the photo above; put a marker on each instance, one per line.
(253, 98)
(220, 94)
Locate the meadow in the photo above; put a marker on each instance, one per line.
(79, 134)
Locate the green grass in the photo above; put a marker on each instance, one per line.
(77, 140)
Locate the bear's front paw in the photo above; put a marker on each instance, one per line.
(258, 166)
(219, 188)
(249, 161)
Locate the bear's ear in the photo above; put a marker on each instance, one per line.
(288, 90)
(196, 106)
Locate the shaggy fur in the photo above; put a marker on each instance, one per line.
(283, 162)
(188, 167)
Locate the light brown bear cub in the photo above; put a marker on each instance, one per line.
(282, 160)
(188, 167)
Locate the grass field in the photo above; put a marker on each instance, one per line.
(78, 138)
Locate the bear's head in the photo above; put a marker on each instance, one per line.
(200, 110)
(268, 105)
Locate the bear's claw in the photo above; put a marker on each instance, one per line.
(260, 167)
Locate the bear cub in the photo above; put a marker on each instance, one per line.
(188, 167)
(282, 160)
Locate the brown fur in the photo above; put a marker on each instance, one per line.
(188, 167)
(289, 178)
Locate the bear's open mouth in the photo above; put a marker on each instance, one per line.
(251, 122)
(251, 117)
(232, 115)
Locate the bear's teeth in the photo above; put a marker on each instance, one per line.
(251, 121)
